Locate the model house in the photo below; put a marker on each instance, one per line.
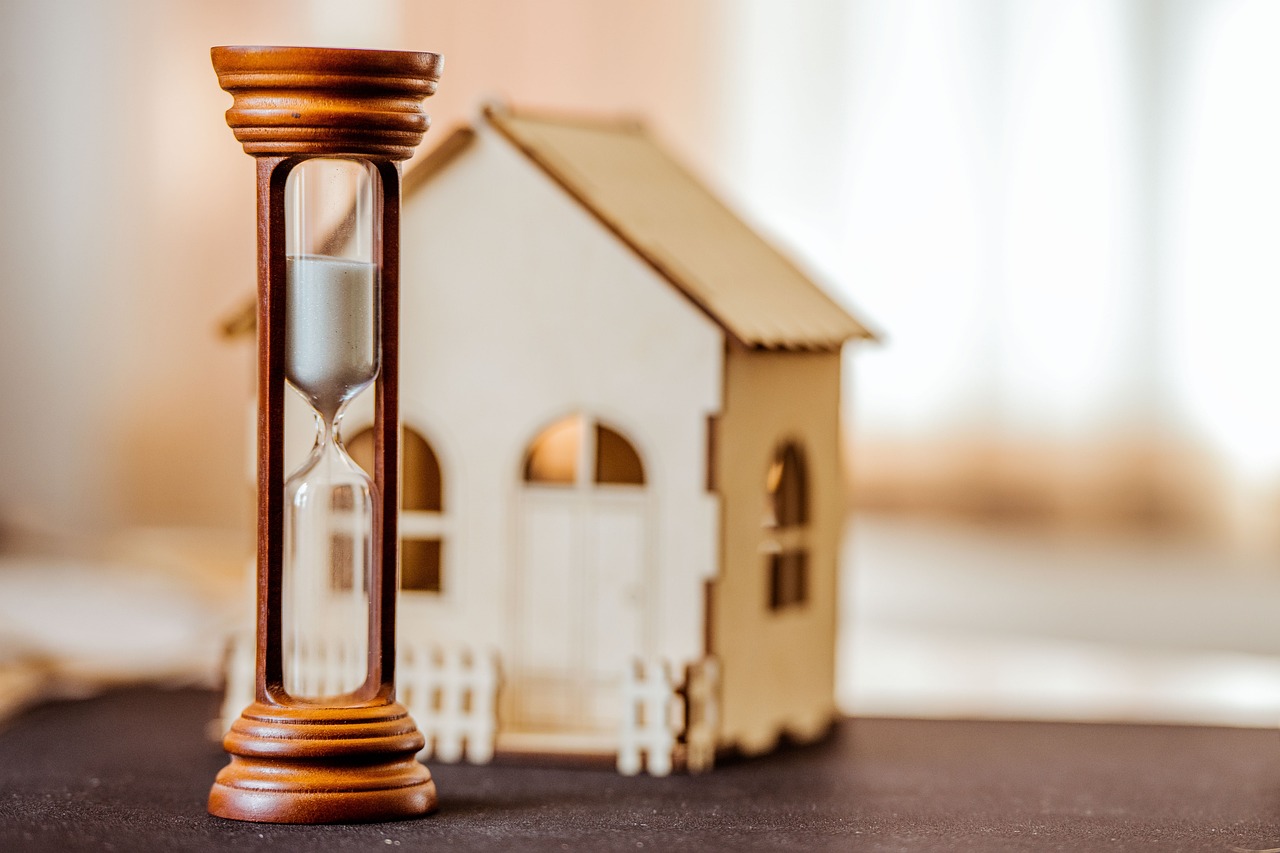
(621, 484)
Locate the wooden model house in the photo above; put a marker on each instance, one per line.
(621, 473)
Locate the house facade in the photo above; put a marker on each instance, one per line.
(621, 413)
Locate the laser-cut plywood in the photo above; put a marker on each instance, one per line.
(622, 387)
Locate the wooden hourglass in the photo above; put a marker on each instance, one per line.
(328, 128)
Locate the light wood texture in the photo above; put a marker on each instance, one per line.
(527, 306)
(521, 310)
(777, 666)
(678, 226)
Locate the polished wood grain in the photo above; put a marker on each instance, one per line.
(315, 101)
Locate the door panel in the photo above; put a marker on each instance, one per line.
(615, 534)
(581, 599)
(550, 608)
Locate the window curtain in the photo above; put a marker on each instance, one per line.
(1062, 215)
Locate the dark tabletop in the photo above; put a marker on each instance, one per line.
(130, 771)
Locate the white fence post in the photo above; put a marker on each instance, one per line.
(482, 707)
(651, 719)
(452, 696)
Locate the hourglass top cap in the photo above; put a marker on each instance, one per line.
(319, 101)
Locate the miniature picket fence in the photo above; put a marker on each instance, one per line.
(450, 693)
(662, 718)
(452, 696)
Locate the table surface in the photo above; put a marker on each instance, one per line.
(129, 771)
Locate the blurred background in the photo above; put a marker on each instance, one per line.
(1064, 458)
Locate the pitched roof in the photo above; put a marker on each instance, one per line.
(633, 186)
(670, 219)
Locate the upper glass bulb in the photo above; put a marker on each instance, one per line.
(331, 355)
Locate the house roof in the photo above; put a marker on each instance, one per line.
(670, 219)
(633, 186)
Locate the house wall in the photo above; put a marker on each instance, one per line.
(778, 667)
(519, 308)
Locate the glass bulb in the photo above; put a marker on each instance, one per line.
(331, 355)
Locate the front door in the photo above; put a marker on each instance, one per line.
(581, 586)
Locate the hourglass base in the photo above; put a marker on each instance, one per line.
(323, 765)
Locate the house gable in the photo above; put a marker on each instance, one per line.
(670, 218)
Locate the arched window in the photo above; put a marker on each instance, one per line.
(786, 523)
(573, 451)
(788, 488)
(421, 508)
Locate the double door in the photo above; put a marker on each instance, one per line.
(581, 600)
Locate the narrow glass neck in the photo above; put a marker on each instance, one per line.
(328, 457)
(329, 430)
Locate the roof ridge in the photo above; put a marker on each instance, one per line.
(620, 120)
(758, 294)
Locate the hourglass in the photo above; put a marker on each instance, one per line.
(325, 741)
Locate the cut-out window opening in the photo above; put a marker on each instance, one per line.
(560, 455)
(788, 487)
(420, 564)
(786, 522)
(788, 579)
(421, 503)
(616, 460)
(421, 488)
(553, 456)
